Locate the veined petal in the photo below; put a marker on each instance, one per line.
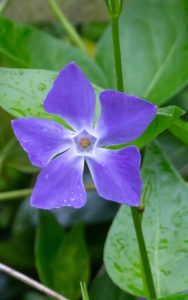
(73, 98)
(116, 174)
(41, 139)
(123, 118)
(60, 183)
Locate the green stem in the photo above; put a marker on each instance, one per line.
(4, 196)
(84, 291)
(117, 53)
(147, 274)
(9, 195)
(66, 24)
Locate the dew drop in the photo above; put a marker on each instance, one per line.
(42, 86)
(20, 72)
(166, 272)
(163, 244)
(118, 267)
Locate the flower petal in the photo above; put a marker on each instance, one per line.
(123, 118)
(41, 139)
(116, 174)
(73, 98)
(60, 183)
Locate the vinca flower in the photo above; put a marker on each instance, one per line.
(61, 152)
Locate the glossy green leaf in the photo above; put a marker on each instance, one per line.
(28, 47)
(22, 92)
(180, 130)
(165, 226)
(154, 48)
(71, 264)
(48, 240)
(165, 117)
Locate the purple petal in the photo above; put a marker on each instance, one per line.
(60, 183)
(123, 118)
(41, 139)
(116, 174)
(73, 98)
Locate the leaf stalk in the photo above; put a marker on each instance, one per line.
(74, 36)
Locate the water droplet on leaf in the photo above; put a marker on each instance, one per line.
(20, 72)
(42, 86)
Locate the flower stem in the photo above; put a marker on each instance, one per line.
(84, 291)
(6, 196)
(66, 24)
(10, 195)
(147, 274)
(117, 53)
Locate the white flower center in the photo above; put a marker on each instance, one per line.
(85, 143)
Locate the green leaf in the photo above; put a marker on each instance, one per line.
(48, 240)
(71, 265)
(165, 226)
(180, 130)
(61, 258)
(22, 92)
(28, 47)
(165, 117)
(153, 36)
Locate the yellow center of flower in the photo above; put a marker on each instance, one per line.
(85, 142)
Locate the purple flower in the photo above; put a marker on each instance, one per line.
(62, 152)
